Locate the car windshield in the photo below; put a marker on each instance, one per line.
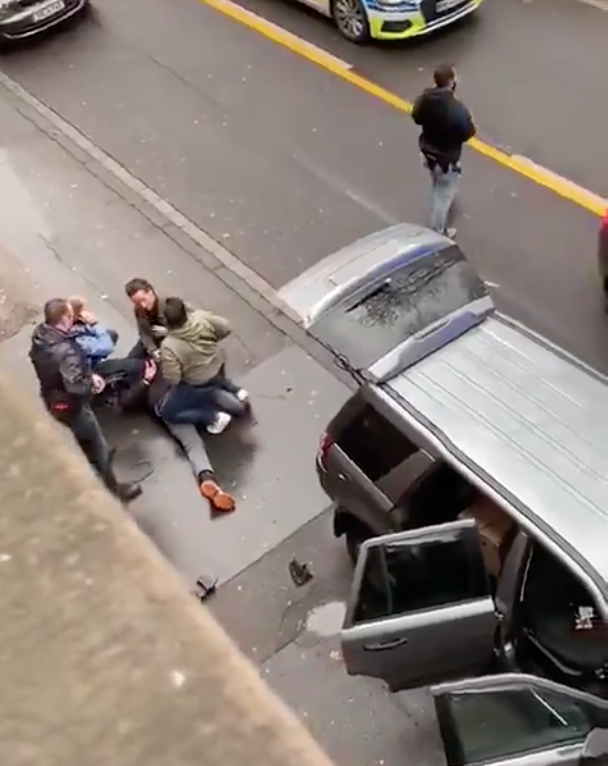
(365, 328)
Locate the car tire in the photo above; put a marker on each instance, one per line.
(356, 534)
(351, 19)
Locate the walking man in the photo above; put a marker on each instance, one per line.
(446, 125)
(67, 386)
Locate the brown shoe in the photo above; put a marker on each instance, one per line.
(220, 501)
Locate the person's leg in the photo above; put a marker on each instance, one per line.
(226, 401)
(87, 432)
(138, 351)
(194, 448)
(130, 368)
(184, 405)
(444, 186)
(227, 396)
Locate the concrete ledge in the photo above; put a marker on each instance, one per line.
(104, 657)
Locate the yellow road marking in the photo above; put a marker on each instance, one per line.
(520, 165)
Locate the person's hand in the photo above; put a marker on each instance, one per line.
(150, 370)
(97, 383)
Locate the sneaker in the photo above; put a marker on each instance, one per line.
(220, 501)
(128, 491)
(242, 395)
(221, 423)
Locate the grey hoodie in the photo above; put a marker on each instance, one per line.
(192, 353)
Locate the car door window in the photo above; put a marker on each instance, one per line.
(404, 578)
(484, 726)
(374, 444)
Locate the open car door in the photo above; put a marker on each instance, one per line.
(420, 610)
(516, 719)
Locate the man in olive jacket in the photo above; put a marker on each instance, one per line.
(192, 360)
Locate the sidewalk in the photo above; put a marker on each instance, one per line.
(70, 226)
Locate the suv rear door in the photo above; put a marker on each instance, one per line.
(515, 719)
(361, 447)
(420, 610)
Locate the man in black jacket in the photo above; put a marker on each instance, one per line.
(67, 386)
(446, 125)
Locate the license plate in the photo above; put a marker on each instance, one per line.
(51, 10)
(446, 5)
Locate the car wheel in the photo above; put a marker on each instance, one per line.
(351, 19)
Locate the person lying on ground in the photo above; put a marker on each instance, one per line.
(148, 392)
(192, 357)
(97, 342)
(67, 387)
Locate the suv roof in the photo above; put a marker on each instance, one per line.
(529, 421)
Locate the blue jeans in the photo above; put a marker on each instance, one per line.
(198, 405)
(445, 184)
(188, 405)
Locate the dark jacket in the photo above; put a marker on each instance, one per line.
(151, 325)
(63, 371)
(144, 396)
(446, 125)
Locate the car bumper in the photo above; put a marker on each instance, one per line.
(403, 24)
(24, 23)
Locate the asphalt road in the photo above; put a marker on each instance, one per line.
(284, 163)
(531, 70)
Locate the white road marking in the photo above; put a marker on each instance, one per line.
(601, 5)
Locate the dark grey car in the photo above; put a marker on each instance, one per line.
(22, 19)
(470, 476)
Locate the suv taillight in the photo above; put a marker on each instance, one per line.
(325, 443)
(604, 223)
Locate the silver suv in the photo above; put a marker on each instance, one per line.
(470, 476)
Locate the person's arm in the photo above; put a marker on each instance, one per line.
(75, 375)
(171, 367)
(130, 398)
(467, 126)
(96, 342)
(418, 110)
(220, 326)
(146, 335)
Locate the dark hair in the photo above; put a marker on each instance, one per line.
(175, 313)
(135, 285)
(444, 75)
(55, 310)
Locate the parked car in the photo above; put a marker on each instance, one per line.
(362, 20)
(602, 255)
(21, 19)
(469, 471)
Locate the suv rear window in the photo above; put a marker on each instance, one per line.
(365, 329)
(374, 444)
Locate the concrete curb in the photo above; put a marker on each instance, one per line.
(226, 266)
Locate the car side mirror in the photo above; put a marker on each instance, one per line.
(595, 749)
